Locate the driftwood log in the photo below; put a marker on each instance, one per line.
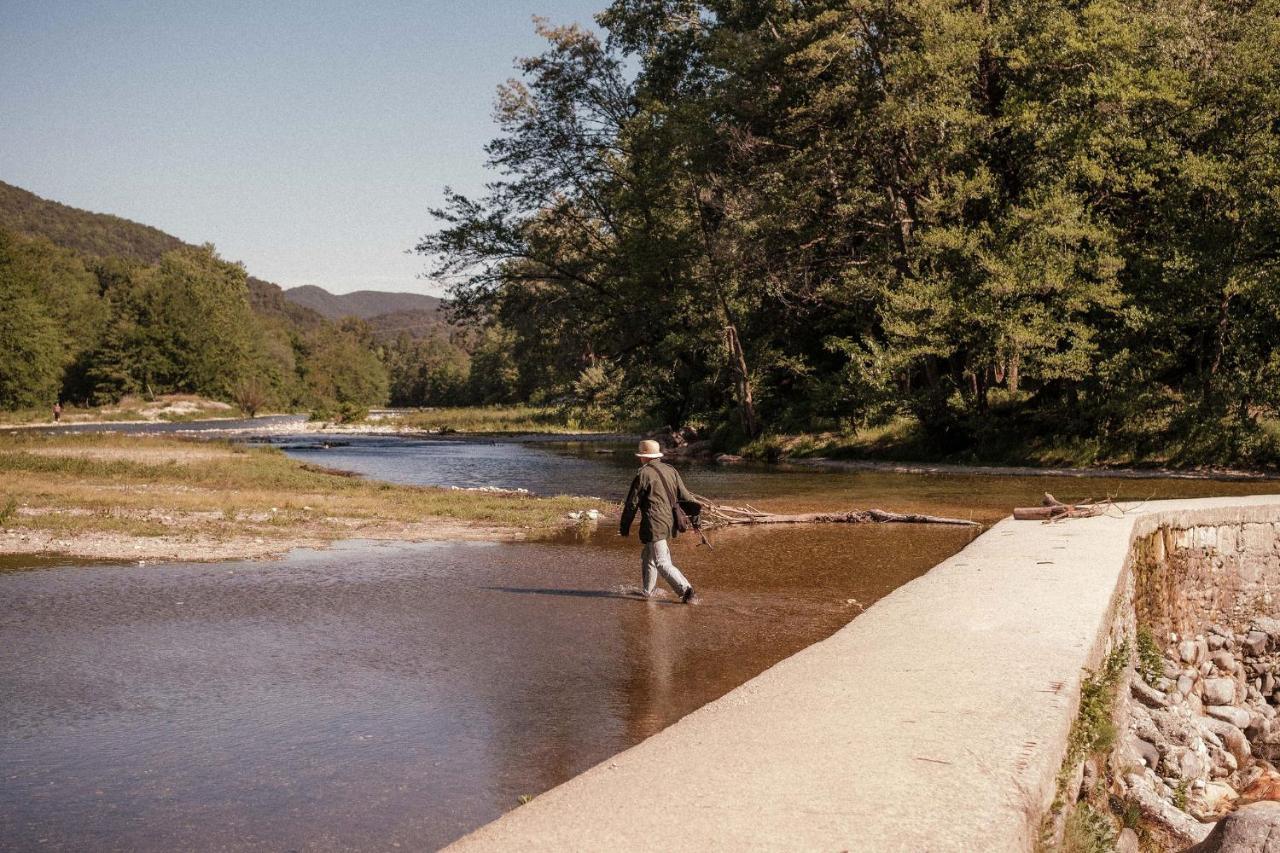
(719, 515)
(1052, 509)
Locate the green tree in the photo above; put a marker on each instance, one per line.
(30, 347)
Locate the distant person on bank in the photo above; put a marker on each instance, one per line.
(653, 492)
(57, 411)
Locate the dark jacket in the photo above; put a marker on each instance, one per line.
(649, 494)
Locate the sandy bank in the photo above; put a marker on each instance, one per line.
(111, 496)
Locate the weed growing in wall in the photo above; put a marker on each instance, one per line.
(1150, 660)
(1093, 732)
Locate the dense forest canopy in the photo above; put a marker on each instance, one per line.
(995, 218)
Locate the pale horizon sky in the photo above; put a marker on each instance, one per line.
(307, 140)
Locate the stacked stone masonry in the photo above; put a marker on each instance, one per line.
(1201, 730)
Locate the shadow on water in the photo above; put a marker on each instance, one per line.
(579, 593)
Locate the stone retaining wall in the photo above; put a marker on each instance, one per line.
(1192, 577)
(1199, 721)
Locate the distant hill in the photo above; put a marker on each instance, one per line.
(366, 304)
(99, 234)
(103, 235)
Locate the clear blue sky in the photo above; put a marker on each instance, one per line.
(306, 139)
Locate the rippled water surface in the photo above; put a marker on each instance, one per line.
(373, 696)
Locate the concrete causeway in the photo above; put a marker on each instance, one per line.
(935, 721)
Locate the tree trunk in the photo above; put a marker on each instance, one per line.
(746, 399)
(710, 215)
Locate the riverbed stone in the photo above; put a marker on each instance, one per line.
(1146, 694)
(1127, 841)
(1211, 801)
(1146, 749)
(1254, 828)
(1224, 660)
(1219, 691)
(1256, 642)
(1174, 725)
(1176, 822)
(1187, 650)
(1237, 717)
(1233, 740)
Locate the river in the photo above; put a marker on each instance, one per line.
(375, 696)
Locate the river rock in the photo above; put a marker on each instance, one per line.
(1146, 694)
(1174, 725)
(1224, 661)
(1267, 625)
(1219, 691)
(1233, 740)
(1212, 801)
(1237, 717)
(1250, 829)
(1185, 763)
(1256, 642)
(1141, 724)
(1187, 650)
(1089, 776)
(1176, 822)
(1147, 750)
(1127, 841)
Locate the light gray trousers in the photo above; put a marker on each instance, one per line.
(655, 560)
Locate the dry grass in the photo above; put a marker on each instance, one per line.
(174, 408)
(73, 490)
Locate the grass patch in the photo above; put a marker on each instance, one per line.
(1093, 732)
(1088, 831)
(502, 419)
(152, 486)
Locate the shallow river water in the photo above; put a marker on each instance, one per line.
(375, 696)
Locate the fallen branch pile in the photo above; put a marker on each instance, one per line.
(721, 515)
(1052, 509)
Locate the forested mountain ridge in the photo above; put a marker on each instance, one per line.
(365, 304)
(99, 235)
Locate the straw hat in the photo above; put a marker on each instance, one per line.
(649, 450)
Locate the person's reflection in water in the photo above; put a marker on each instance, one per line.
(654, 701)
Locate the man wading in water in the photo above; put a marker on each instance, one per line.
(654, 492)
